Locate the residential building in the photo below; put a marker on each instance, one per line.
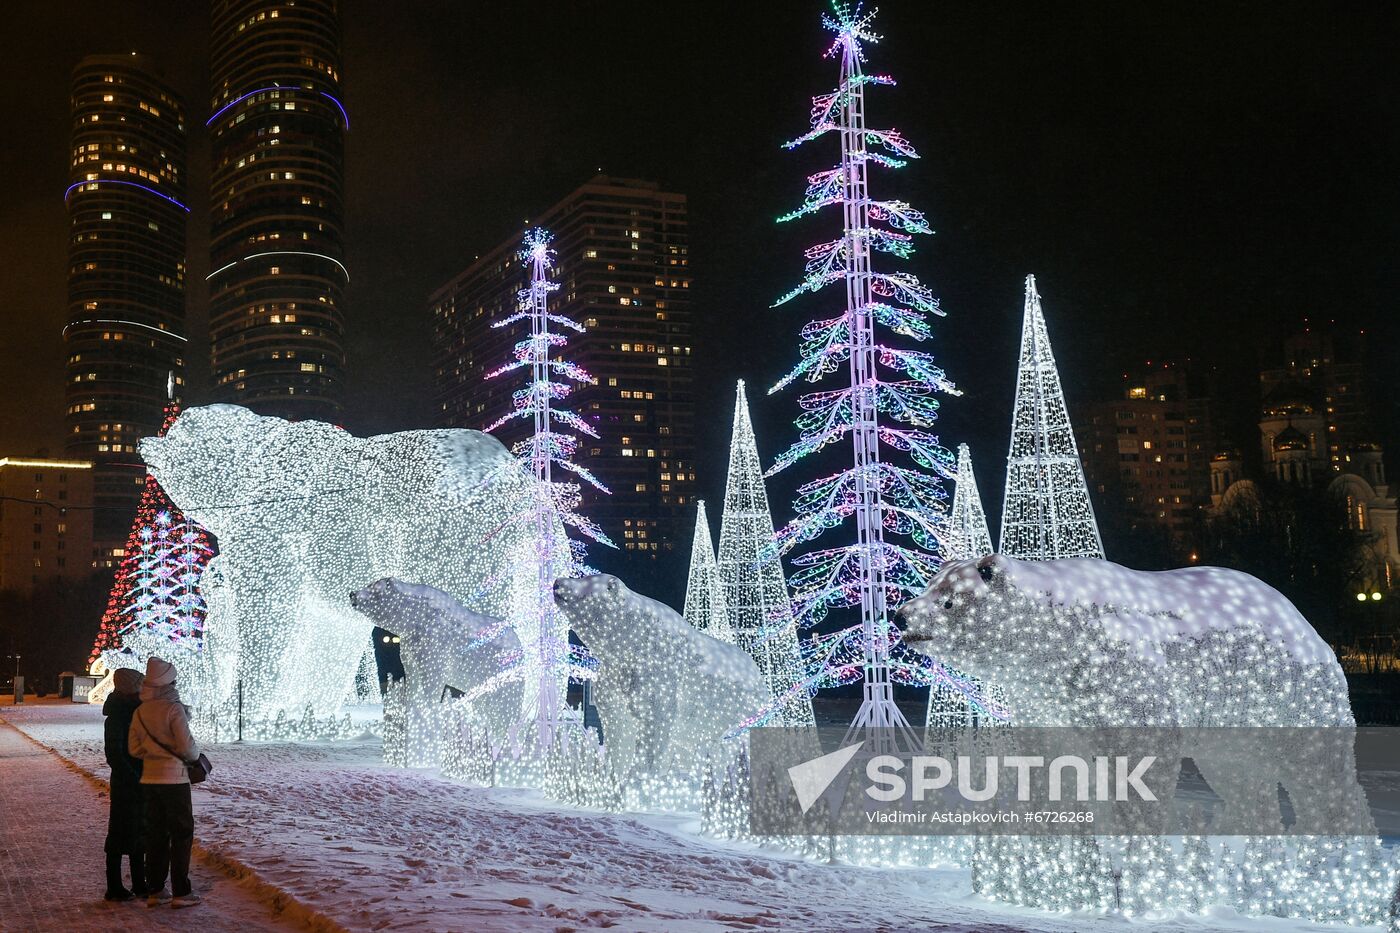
(46, 521)
(1148, 454)
(623, 268)
(277, 258)
(124, 334)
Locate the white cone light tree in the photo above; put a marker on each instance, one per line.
(705, 605)
(1046, 513)
(754, 588)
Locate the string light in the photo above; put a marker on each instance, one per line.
(1046, 512)
(872, 573)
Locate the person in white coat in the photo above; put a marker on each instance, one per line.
(160, 737)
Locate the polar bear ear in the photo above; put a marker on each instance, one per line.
(987, 568)
(612, 586)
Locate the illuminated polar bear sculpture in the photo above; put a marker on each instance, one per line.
(666, 693)
(306, 513)
(1083, 642)
(443, 645)
(1088, 643)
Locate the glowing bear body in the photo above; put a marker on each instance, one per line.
(442, 645)
(666, 693)
(1082, 642)
(306, 514)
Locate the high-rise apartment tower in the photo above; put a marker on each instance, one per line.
(125, 331)
(277, 263)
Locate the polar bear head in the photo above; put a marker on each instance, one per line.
(604, 612)
(206, 457)
(956, 619)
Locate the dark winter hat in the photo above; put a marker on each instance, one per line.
(128, 681)
(159, 673)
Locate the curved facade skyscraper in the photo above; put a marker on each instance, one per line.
(125, 330)
(277, 265)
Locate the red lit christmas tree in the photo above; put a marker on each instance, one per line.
(156, 590)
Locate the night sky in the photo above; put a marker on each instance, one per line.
(1183, 179)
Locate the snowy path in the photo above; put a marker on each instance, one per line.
(52, 822)
(375, 848)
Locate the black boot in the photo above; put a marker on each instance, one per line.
(115, 891)
(138, 873)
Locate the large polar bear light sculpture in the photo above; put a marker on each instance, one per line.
(443, 645)
(306, 514)
(1087, 643)
(666, 692)
(1083, 642)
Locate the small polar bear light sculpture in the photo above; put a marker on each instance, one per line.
(306, 514)
(666, 693)
(443, 645)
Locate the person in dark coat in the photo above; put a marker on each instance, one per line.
(125, 830)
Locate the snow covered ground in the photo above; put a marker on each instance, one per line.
(375, 848)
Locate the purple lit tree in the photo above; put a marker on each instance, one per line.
(550, 382)
(888, 386)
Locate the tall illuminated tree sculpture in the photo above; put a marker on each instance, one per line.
(760, 607)
(1047, 514)
(705, 605)
(887, 386)
(551, 381)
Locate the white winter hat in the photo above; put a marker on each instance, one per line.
(159, 673)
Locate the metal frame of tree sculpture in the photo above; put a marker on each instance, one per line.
(871, 573)
(540, 453)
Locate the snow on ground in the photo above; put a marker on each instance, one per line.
(377, 848)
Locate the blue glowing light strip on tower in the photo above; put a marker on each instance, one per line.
(277, 87)
(115, 181)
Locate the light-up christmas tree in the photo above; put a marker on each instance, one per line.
(968, 539)
(760, 608)
(551, 380)
(154, 599)
(886, 386)
(705, 605)
(1046, 513)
